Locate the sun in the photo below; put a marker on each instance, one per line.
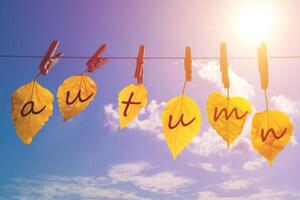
(255, 23)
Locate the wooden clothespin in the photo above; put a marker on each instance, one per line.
(188, 64)
(96, 61)
(263, 66)
(224, 66)
(139, 69)
(50, 58)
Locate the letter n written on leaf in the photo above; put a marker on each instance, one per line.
(271, 131)
(181, 123)
(131, 100)
(75, 94)
(31, 109)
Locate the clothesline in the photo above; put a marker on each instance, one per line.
(150, 57)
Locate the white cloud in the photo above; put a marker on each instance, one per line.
(236, 183)
(265, 194)
(238, 85)
(125, 172)
(208, 167)
(159, 183)
(208, 195)
(205, 166)
(286, 105)
(243, 146)
(290, 107)
(208, 143)
(149, 119)
(254, 164)
(111, 117)
(226, 168)
(135, 176)
(268, 194)
(63, 188)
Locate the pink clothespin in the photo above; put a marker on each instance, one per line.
(139, 69)
(96, 61)
(50, 58)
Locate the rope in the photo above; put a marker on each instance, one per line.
(148, 58)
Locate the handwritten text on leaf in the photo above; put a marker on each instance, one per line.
(75, 94)
(227, 115)
(181, 122)
(271, 131)
(31, 108)
(131, 100)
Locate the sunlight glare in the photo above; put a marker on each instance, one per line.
(255, 23)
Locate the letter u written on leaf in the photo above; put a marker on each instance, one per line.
(75, 94)
(227, 116)
(31, 108)
(271, 131)
(131, 100)
(181, 122)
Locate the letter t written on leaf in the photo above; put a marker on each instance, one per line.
(181, 123)
(131, 100)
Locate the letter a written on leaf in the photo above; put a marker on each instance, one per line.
(181, 122)
(227, 115)
(271, 131)
(31, 108)
(131, 100)
(75, 94)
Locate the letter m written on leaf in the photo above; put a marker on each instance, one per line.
(181, 122)
(227, 115)
(75, 94)
(31, 108)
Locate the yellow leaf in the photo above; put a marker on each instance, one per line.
(75, 94)
(271, 131)
(31, 108)
(181, 122)
(227, 116)
(131, 100)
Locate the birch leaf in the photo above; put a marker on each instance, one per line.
(31, 109)
(75, 94)
(227, 116)
(181, 122)
(271, 131)
(131, 100)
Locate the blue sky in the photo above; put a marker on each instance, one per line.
(88, 157)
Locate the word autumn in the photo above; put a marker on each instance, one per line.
(271, 130)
